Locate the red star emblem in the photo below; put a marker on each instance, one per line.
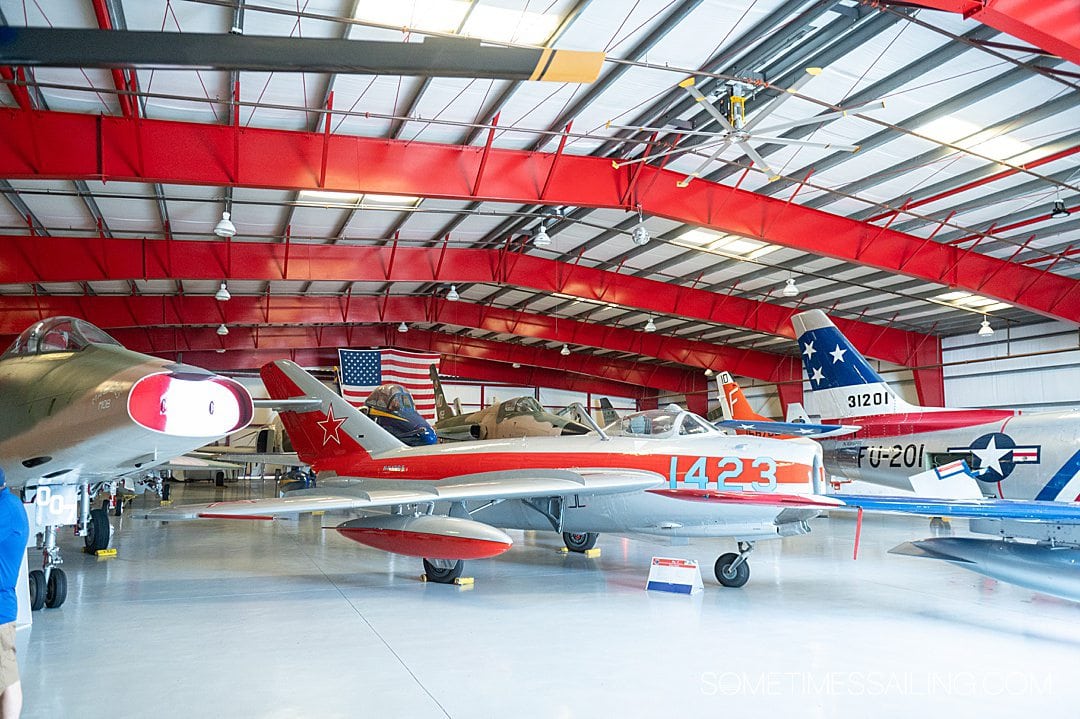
(330, 426)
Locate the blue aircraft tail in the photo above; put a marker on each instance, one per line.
(842, 382)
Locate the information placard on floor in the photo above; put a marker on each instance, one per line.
(680, 576)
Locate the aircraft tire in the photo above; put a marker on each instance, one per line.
(56, 591)
(725, 575)
(580, 541)
(37, 590)
(99, 532)
(443, 576)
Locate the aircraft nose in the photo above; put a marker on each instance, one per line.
(186, 406)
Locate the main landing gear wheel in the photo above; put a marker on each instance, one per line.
(98, 531)
(37, 590)
(579, 541)
(56, 590)
(443, 571)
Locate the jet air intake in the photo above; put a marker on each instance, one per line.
(189, 405)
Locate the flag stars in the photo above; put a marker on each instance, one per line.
(817, 375)
(808, 350)
(838, 354)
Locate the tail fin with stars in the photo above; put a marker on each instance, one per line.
(842, 382)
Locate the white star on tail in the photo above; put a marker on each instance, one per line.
(817, 376)
(330, 426)
(990, 456)
(838, 354)
(808, 350)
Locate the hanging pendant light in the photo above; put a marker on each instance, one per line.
(225, 227)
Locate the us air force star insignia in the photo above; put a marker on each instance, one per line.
(991, 455)
(817, 376)
(330, 426)
(808, 350)
(838, 354)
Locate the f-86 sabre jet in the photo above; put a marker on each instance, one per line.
(1013, 455)
(79, 413)
(661, 473)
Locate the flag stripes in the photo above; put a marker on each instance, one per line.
(364, 370)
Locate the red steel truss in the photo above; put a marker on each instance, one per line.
(78, 146)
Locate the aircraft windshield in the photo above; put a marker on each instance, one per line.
(390, 398)
(526, 405)
(58, 334)
(658, 423)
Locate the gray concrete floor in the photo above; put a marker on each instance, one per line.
(283, 619)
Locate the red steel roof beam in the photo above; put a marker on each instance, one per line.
(76, 146)
(16, 84)
(165, 340)
(70, 259)
(120, 312)
(1052, 26)
(978, 183)
(128, 104)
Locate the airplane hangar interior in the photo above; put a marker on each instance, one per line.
(539, 358)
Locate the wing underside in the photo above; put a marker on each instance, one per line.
(345, 493)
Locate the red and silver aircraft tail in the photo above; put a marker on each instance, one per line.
(733, 402)
(842, 381)
(329, 435)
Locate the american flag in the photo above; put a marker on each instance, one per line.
(364, 370)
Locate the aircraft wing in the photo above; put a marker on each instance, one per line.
(296, 404)
(797, 429)
(946, 491)
(985, 508)
(343, 493)
(189, 462)
(285, 459)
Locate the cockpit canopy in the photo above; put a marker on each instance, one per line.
(58, 334)
(521, 406)
(390, 398)
(660, 424)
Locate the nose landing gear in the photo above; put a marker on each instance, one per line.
(733, 570)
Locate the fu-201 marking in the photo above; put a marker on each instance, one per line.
(731, 468)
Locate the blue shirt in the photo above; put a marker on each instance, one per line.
(13, 534)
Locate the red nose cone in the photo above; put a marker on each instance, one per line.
(187, 407)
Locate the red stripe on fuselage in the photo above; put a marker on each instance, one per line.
(898, 425)
(442, 466)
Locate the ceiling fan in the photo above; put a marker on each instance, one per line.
(735, 129)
